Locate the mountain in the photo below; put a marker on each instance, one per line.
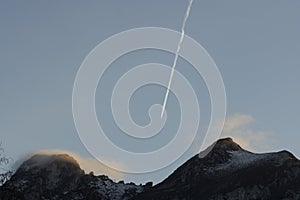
(59, 177)
(224, 171)
(228, 172)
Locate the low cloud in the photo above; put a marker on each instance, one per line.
(237, 121)
(87, 164)
(239, 127)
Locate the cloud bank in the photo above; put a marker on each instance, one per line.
(240, 128)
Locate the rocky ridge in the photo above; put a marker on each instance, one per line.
(59, 177)
(224, 171)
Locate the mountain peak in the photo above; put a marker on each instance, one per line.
(57, 164)
(226, 171)
(59, 176)
(51, 171)
(247, 176)
(220, 148)
(227, 144)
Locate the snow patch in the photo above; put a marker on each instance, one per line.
(115, 191)
(240, 159)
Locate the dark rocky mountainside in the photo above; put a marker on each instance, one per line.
(59, 177)
(224, 171)
(229, 172)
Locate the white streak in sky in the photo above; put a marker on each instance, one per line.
(176, 56)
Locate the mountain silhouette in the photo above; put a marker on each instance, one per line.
(224, 171)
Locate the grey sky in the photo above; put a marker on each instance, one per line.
(255, 44)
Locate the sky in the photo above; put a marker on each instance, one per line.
(255, 45)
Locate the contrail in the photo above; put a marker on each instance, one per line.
(176, 56)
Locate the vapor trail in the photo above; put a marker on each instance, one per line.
(176, 56)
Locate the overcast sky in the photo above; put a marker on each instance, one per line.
(255, 45)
